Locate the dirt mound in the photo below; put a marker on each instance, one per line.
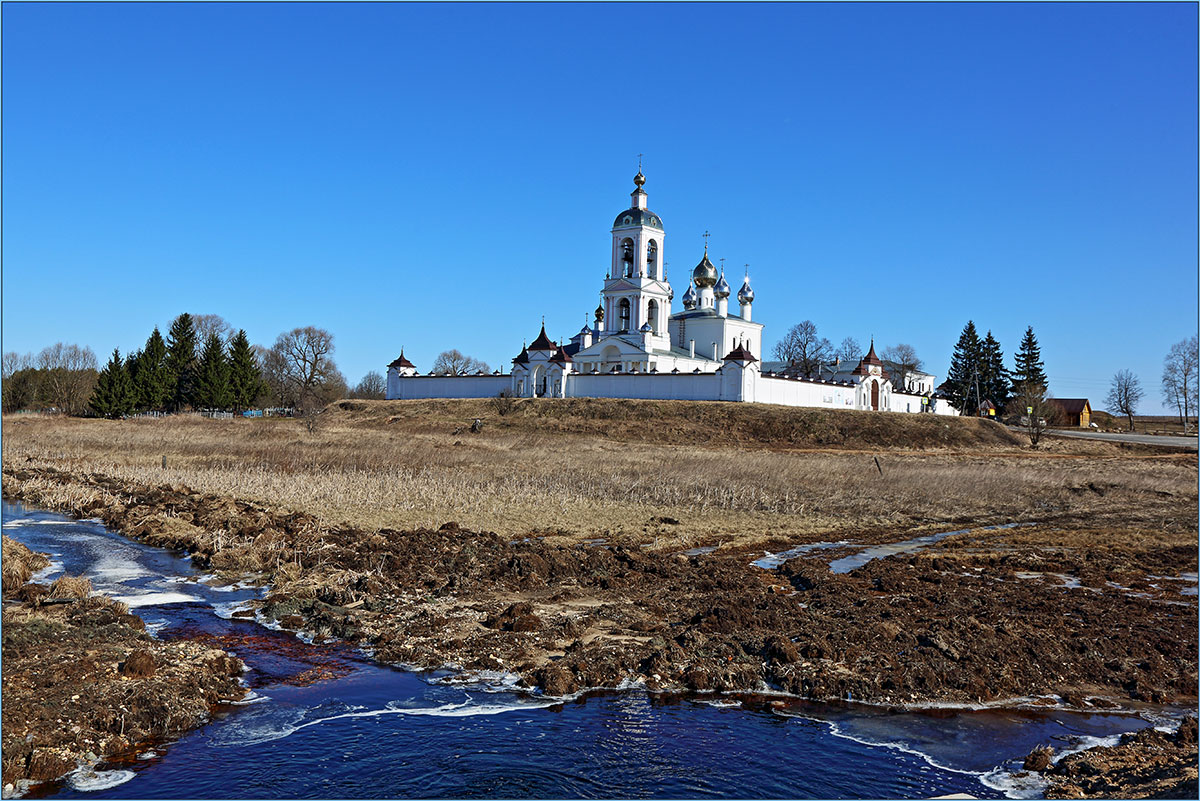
(18, 564)
(691, 422)
(1144, 764)
(83, 681)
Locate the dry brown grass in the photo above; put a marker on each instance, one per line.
(18, 564)
(600, 468)
(78, 587)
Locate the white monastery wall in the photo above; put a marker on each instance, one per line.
(647, 386)
(789, 392)
(448, 386)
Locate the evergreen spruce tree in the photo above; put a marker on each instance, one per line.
(994, 380)
(211, 390)
(964, 374)
(245, 379)
(113, 396)
(181, 362)
(1029, 367)
(151, 381)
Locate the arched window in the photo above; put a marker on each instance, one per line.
(624, 314)
(627, 258)
(652, 259)
(652, 315)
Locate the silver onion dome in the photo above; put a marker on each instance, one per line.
(646, 328)
(705, 275)
(746, 294)
(721, 290)
(690, 298)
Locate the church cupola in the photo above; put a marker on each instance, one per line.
(690, 298)
(721, 293)
(746, 295)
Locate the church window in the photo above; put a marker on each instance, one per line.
(627, 258)
(624, 314)
(652, 259)
(652, 314)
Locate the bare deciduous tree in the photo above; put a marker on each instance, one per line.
(1034, 410)
(1124, 394)
(206, 324)
(906, 362)
(20, 382)
(454, 362)
(850, 351)
(69, 374)
(372, 387)
(1181, 378)
(803, 349)
(301, 361)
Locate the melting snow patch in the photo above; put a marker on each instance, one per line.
(773, 560)
(155, 599)
(87, 780)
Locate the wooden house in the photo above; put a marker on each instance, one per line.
(1076, 412)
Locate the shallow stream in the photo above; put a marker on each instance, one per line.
(326, 722)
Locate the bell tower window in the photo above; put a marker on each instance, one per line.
(652, 259)
(652, 315)
(627, 258)
(623, 314)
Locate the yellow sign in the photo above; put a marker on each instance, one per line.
(1028, 410)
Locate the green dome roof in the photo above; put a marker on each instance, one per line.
(631, 218)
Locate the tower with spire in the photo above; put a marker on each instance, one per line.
(636, 293)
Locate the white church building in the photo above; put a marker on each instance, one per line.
(638, 348)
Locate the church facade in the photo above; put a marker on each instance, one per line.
(636, 347)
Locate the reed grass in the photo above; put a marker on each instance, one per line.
(375, 469)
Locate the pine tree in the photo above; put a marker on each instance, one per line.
(133, 366)
(181, 362)
(962, 379)
(212, 376)
(245, 379)
(1029, 367)
(994, 379)
(152, 380)
(113, 396)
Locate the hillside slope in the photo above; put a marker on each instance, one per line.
(690, 422)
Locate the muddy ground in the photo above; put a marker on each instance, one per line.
(986, 616)
(84, 682)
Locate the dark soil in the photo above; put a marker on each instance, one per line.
(83, 681)
(1145, 764)
(951, 624)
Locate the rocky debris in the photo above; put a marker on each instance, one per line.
(1144, 764)
(83, 682)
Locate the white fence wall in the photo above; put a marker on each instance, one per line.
(790, 392)
(648, 386)
(448, 386)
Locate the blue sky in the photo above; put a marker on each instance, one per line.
(440, 176)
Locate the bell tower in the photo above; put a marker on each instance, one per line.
(637, 297)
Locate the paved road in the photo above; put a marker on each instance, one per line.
(1145, 439)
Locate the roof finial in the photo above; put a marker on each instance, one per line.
(706, 236)
(722, 260)
(747, 272)
(639, 162)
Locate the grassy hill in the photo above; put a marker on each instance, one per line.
(688, 423)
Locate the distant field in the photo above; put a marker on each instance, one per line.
(676, 473)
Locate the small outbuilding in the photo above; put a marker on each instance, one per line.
(1075, 412)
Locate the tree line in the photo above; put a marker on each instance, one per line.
(202, 363)
(60, 377)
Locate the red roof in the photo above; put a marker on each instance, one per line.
(868, 360)
(522, 357)
(543, 342)
(402, 362)
(740, 354)
(1070, 405)
(562, 357)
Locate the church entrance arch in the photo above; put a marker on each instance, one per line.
(875, 395)
(611, 357)
(537, 381)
